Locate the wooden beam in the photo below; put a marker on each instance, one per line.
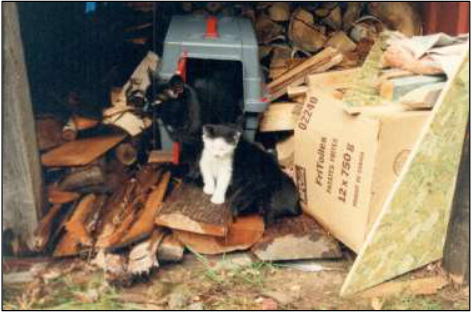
(22, 188)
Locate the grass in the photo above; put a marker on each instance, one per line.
(413, 303)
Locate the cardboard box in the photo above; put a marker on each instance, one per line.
(346, 164)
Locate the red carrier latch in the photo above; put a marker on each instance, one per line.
(212, 27)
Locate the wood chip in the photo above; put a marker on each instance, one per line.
(80, 152)
(189, 209)
(242, 234)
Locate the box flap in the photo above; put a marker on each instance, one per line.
(411, 229)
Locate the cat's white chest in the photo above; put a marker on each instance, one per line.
(216, 166)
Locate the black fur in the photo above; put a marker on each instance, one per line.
(258, 185)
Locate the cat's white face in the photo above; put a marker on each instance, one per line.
(218, 147)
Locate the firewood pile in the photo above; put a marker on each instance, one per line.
(127, 215)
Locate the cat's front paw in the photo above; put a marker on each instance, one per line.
(216, 199)
(208, 189)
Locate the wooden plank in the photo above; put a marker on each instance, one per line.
(22, 178)
(296, 238)
(189, 209)
(144, 223)
(456, 250)
(320, 62)
(338, 79)
(279, 117)
(418, 207)
(242, 234)
(80, 152)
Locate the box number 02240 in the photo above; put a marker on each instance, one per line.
(307, 112)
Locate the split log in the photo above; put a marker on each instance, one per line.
(82, 178)
(400, 16)
(115, 210)
(124, 207)
(115, 267)
(352, 14)
(170, 249)
(334, 19)
(340, 41)
(320, 62)
(145, 221)
(76, 225)
(142, 257)
(80, 152)
(48, 132)
(296, 238)
(126, 153)
(70, 131)
(303, 33)
(58, 197)
(189, 209)
(279, 117)
(266, 29)
(242, 234)
(279, 11)
(43, 231)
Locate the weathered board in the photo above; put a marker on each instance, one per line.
(22, 171)
(411, 228)
(189, 209)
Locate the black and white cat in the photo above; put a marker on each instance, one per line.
(241, 173)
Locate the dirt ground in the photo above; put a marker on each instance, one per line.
(228, 282)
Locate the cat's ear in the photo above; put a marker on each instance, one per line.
(208, 131)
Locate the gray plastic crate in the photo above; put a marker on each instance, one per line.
(235, 41)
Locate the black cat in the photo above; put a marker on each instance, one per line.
(245, 176)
